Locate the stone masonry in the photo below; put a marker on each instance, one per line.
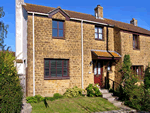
(70, 48)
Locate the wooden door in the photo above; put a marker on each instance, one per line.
(98, 73)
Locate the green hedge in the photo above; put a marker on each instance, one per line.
(10, 90)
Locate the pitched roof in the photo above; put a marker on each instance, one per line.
(73, 14)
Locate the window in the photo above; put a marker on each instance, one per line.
(57, 29)
(99, 33)
(56, 69)
(109, 66)
(138, 71)
(97, 67)
(135, 41)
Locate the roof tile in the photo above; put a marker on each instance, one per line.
(72, 14)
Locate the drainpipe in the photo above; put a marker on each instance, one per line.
(82, 49)
(33, 58)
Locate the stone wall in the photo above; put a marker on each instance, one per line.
(138, 57)
(70, 48)
(67, 48)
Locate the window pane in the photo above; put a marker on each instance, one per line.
(55, 32)
(95, 70)
(96, 35)
(65, 63)
(100, 36)
(60, 25)
(60, 33)
(59, 63)
(54, 24)
(96, 29)
(46, 63)
(46, 72)
(59, 72)
(53, 64)
(99, 68)
(137, 70)
(100, 30)
(65, 72)
(53, 72)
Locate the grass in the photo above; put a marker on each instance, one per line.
(79, 105)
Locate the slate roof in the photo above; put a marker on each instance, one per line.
(73, 14)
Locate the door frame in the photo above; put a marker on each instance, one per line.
(101, 62)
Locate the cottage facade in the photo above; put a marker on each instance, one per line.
(61, 49)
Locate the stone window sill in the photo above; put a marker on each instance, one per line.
(57, 78)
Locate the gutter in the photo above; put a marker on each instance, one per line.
(73, 19)
(33, 57)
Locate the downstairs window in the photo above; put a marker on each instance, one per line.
(56, 69)
(138, 71)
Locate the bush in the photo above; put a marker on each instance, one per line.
(93, 90)
(147, 78)
(10, 89)
(73, 92)
(133, 95)
(39, 98)
(35, 99)
(57, 96)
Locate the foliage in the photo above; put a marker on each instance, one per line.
(57, 96)
(147, 78)
(39, 98)
(10, 89)
(35, 99)
(3, 30)
(73, 92)
(133, 95)
(93, 90)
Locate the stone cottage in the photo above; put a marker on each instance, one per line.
(60, 49)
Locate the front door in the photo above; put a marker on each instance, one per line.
(98, 72)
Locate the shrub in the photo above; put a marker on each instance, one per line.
(57, 95)
(35, 99)
(10, 89)
(147, 78)
(73, 92)
(133, 95)
(93, 90)
(50, 98)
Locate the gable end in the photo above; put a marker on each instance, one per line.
(58, 14)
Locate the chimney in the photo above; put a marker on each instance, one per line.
(99, 12)
(133, 21)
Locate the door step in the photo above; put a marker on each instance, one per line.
(114, 100)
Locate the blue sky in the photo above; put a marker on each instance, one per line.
(118, 10)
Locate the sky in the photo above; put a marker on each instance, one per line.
(120, 10)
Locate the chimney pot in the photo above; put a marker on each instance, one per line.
(133, 21)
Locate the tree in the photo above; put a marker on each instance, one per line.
(3, 30)
(147, 77)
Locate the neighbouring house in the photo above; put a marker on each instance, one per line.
(60, 49)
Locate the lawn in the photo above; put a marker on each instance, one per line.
(79, 104)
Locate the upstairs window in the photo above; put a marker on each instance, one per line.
(56, 69)
(138, 71)
(135, 41)
(57, 29)
(99, 33)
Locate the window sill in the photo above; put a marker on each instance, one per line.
(58, 38)
(135, 49)
(99, 39)
(57, 78)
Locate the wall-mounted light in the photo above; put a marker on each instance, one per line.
(91, 63)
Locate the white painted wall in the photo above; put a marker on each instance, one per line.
(21, 36)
